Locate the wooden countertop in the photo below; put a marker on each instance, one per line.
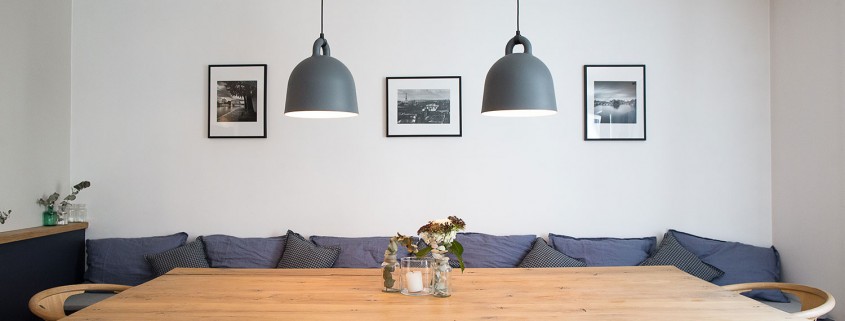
(596, 293)
(34, 232)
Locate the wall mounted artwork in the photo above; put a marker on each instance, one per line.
(614, 102)
(237, 101)
(424, 106)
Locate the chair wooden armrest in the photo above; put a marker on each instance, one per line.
(50, 303)
(814, 302)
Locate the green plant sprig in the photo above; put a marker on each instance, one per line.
(50, 201)
(4, 216)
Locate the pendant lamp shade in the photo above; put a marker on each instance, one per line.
(321, 87)
(519, 84)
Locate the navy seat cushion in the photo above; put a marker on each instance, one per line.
(493, 251)
(741, 263)
(122, 260)
(605, 251)
(358, 252)
(226, 251)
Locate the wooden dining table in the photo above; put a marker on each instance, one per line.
(592, 293)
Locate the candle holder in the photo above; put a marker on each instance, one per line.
(415, 274)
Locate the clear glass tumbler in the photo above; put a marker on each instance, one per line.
(415, 274)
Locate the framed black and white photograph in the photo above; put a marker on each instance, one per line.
(424, 106)
(237, 101)
(614, 102)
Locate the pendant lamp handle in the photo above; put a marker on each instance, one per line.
(321, 43)
(518, 40)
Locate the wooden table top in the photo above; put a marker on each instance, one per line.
(606, 293)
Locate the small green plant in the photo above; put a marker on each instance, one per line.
(4, 216)
(50, 201)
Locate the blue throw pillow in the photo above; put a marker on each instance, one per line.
(122, 260)
(741, 262)
(226, 251)
(544, 256)
(604, 251)
(191, 255)
(303, 254)
(493, 251)
(673, 253)
(358, 252)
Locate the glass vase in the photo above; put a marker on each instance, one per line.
(390, 274)
(49, 216)
(415, 274)
(440, 286)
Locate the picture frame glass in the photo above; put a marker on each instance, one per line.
(424, 106)
(614, 102)
(237, 104)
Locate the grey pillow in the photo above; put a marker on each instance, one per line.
(544, 256)
(605, 251)
(672, 253)
(358, 252)
(226, 251)
(191, 255)
(122, 260)
(301, 254)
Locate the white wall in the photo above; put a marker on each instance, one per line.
(808, 162)
(35, 106)
(139, 126)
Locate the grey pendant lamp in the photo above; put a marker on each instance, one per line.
(321, 86)
(519, 84)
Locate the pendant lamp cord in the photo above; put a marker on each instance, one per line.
(321, 18)
(517, 17)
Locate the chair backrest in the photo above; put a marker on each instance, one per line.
(50, 304)
(814, 302)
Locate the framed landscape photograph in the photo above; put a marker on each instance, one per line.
(614, 102)
(424, 106)
(237, 101)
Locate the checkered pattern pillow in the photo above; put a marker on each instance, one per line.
(544, 256)
(191, 255)
(672, 253)
(301, 254)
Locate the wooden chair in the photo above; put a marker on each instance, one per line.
(814, 302)
(50, 303)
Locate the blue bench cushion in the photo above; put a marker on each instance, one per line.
(604, 251)
(358, 252)
(226, 251)
(741, 262)
(544, 256)
(493, 251)
(191, 255)
(672, 253)
(122, 260)
(303, 254)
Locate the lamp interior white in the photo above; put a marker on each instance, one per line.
(520, 113)
(320, 114)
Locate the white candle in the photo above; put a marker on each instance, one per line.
(414, 280)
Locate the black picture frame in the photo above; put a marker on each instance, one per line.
(229, 114)
(429, 120)
(618, 86)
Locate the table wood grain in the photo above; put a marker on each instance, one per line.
(595, 293)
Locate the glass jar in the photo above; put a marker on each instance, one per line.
(49, 217)
(415, 274)
(390, 273)
(72, 213)
(440, 286)
(82, 213)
